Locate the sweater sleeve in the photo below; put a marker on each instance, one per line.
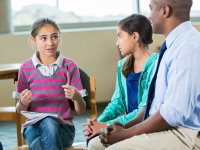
(75, 79)
(116, 107)
(22, 84)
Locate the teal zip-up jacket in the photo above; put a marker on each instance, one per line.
(118, 107)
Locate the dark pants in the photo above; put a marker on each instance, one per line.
(1, 146)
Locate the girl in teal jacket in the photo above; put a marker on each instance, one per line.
(134, 73)
(119, 101)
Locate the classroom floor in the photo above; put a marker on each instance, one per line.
(8, 136)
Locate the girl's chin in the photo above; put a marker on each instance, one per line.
(123, 54)
(51, 53)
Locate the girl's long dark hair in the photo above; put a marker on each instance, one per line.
(142, 25)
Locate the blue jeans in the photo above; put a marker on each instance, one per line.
(48, 134)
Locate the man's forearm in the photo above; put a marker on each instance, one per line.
(136, 120)
(154, 123)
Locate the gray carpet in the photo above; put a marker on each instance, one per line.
(8, 136)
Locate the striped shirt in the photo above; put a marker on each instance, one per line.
(48, 95)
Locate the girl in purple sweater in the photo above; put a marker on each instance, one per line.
(46, 83)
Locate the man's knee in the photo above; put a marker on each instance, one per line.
(91, 144)
(95, 144)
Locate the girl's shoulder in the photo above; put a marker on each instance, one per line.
(122, 61)
(69, 62)
(150, 64)
(152, 58)
(26, 63)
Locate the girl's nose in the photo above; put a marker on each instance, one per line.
(117, 43)
(49, 41)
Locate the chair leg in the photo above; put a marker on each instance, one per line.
(18, 126)
(93, 97)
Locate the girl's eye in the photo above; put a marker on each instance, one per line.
(43, 38)
(54, 37)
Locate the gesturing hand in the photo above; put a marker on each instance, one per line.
(71, 92)
(113, 134)
(26, 97)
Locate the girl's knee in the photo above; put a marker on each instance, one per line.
(30, 134)
(50, 124)
(36, 144)
(50, 127)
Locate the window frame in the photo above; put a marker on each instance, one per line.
(97, 24)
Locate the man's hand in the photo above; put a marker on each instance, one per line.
(113, 134)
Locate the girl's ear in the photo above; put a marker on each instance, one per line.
(32, 40)
(136, 36)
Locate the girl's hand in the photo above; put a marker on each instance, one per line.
(94, 128)
(91, 121)
(26, 97)
(71, 92)
(87, 129)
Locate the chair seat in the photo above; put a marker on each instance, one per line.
(23, 147)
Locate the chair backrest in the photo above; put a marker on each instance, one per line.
(85, 79)
(89, 83)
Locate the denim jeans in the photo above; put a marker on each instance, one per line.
(48, 134)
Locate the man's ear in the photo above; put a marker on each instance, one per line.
(167, 11)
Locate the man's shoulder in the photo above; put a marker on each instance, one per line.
(190, 37)
(191, 34)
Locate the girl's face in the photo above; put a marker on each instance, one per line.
(47, 40)
(125, 42)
